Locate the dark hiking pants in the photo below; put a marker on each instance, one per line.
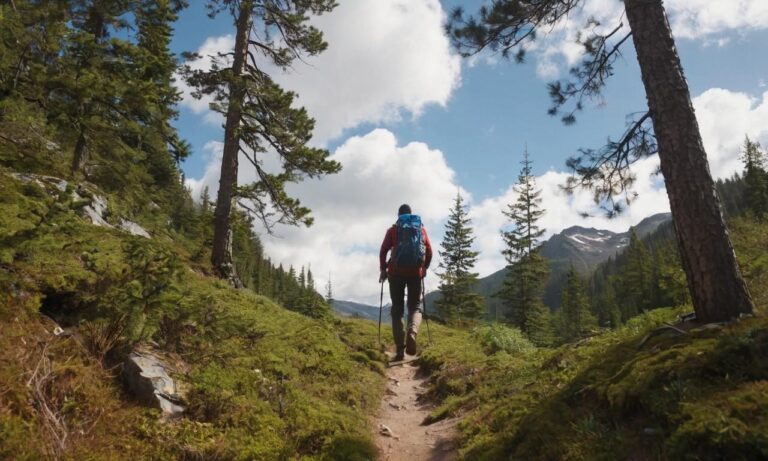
(397, 289)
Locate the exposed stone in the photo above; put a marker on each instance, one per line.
(146, 377)
(95, 210)
(133, 228)
(46, 182)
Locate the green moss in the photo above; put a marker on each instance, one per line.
(264, 382)
(351, 448)
(729, 424)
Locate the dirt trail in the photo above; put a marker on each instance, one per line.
(400, 433)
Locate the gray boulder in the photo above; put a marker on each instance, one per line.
(146, 377)
(96, 208)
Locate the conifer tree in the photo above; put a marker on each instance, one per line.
(32, 38)
(673, 291)
(637, 280)
(668, 128)
(260, 119)
(205, 200)
(576, 320)
(329, 291)
(95, 77)
(755, 179)
(310, 285)
(154, 87)
(526, 268)
(539, 325)
(606, 305)
(458, 302)
(302, 279)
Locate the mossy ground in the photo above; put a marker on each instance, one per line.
(267, 383)
(263, 382)
(698, 395)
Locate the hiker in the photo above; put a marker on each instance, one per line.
(407, 266)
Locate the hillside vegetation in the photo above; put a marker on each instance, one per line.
(647, 390)
(261, 382)
(104, 252)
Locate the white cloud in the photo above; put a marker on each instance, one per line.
(725, 117)
(390, 58)
(709, 21)
(354, 208)
(209, 53)
(384, 59)
(564, 210)
(695, 19)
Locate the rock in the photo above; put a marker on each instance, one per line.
(46, 182)
(146, 378)
(133, 228)
(95, 211)
(386, 431)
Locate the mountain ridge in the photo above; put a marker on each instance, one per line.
(582, 247)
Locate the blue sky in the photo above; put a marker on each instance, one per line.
(464, 124)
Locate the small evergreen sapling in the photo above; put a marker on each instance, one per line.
(459, 303)
(527, 270)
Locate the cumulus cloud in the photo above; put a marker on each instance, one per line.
(385, 59)
(693, 19)
(725, 117)
(354, 208)
(210, 51)
(709, 21)
(390, 59)
(564, 210)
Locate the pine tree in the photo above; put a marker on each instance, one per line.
(576, 320)
(260, 118)
(329, 291)
(636, 280)
(154, 87)
(755, 179)
(671, 284)
(458, 303)
(302, 279)
(310, 280)
(731, 193)
(95, 77)
(539, 325)
(668, 128)
(526, 268)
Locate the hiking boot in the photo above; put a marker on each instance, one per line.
(410, 343)
(399, 356)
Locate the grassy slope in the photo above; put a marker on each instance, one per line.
(702, 395)
(263, 382)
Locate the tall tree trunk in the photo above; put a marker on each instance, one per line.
(714, 279)
(221, 256)
(81, 152)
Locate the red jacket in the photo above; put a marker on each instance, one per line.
(390, 243)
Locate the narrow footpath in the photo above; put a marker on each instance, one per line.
(400, 434)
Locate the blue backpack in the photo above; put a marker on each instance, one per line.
(410, 241)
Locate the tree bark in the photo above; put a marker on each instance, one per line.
(221, 256)
(81, 152)
(717, 288)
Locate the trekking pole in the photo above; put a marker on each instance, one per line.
(426, 316)
(381, 306)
